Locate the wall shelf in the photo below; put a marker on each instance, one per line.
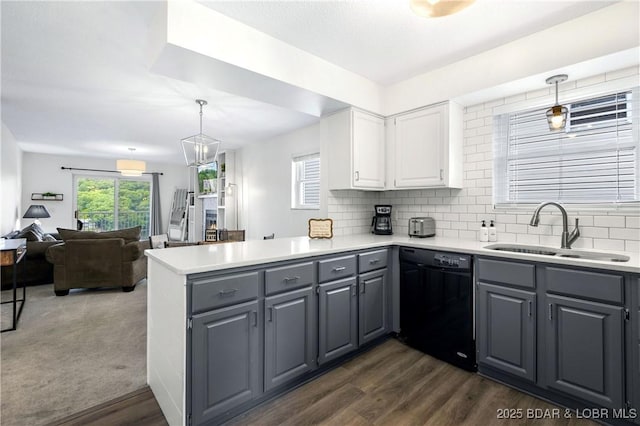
(42, 197)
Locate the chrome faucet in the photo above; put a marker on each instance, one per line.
(567, 239)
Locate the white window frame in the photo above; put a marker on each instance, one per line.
(627, 84)
(297, 182)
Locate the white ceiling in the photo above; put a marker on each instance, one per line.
(76, 79)
(384, 41)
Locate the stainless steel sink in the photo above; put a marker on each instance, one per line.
(569, 253)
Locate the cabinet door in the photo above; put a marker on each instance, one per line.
(225, 360)
(421, 141)
(368, 151)
(372, 306)
(506, 330)
(584, 351)
(289, 336)
(338, 316)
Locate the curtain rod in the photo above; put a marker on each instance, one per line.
(106, 171)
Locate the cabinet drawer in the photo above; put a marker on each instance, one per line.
(339, 267)
(288, 277)
(372, 260)
(593, 285)
(515, 273)
(214, 292)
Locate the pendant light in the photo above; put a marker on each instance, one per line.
(437, 8)
(557, 114)
(130, 167)
(200, 149)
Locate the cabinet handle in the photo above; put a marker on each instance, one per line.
(289, 279)
(550, 311)
(357, 176)
(353, 290)
(255, 318)
(339, 268)
(374, 261)
(530, 306)
(270, 308)
(441, 174)
(229, 292)
(363, 288)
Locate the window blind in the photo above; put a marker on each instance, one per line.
(593, 161)
(306, 191)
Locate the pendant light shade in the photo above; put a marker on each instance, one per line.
(557, 114)
(437, 8)
(200, 149)
(130, 167)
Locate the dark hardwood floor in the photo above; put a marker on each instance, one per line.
(390, 385)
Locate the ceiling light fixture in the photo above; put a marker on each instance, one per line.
(200, 149)
(557, 114)
(437, 8)
(130, 167)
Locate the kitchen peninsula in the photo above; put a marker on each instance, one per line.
(232, 325)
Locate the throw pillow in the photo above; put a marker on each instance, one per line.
(128, 235)
(48, 237)
(32, 233)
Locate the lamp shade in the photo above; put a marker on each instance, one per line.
(36, 211)
(131, 167)
(557, 117)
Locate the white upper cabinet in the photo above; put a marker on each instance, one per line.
(425, 148)
(355, 150)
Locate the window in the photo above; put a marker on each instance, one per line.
(108, 203)
(305, 191)
(593, 161)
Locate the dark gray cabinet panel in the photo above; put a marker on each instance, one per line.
(214, 292)
(336, 268)
(290, 325)
(286, 278)
(584, 350)
(372, 306)
(373, 260)
(225, 360)
(501, 271)
(338, 319)
(585, 284)
(506, 330)
(633, 341)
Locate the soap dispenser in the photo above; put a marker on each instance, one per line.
(484, 232)
(493, 232)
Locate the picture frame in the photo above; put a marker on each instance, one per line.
(321, 228)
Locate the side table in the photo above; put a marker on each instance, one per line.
(11, 253)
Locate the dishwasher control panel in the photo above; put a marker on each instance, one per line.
(453, 261)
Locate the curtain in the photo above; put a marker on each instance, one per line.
(156, 215)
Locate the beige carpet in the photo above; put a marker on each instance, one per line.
(71, 353)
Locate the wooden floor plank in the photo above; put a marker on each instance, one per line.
(391, 385)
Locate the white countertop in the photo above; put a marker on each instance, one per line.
(194, 259)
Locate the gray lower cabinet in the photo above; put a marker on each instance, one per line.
(507, 329)
(290, 324)
(584, 350)
(225, 360)
(372, 305)
(338, 319)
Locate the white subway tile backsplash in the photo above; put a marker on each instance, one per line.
(602, 244)
(609, 221)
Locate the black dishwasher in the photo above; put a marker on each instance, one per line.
(436, 305)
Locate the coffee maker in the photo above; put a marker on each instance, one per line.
(381, 222)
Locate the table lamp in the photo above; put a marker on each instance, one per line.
(36, 211)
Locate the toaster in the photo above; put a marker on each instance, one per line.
(422, 227)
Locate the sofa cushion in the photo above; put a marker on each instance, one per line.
(129, 235)
(32, 232)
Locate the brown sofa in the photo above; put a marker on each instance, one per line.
(98, 259)
(34, 269)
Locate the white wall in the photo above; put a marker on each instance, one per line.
(266, 184)
(10, 189)
(42, 173)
